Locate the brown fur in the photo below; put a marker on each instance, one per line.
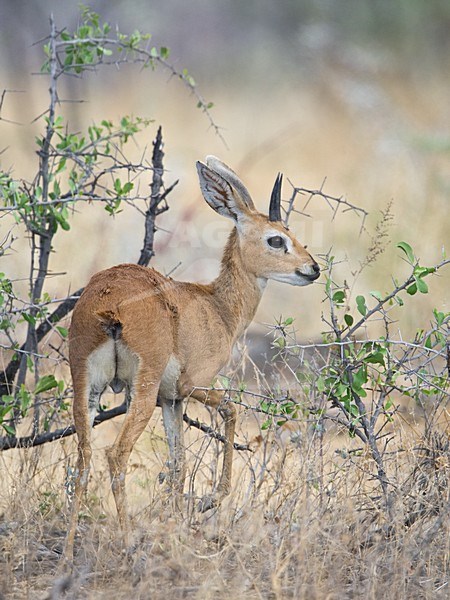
(161, 325)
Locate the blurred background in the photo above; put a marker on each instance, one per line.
(352, 91)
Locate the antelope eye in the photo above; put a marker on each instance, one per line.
(276, 241)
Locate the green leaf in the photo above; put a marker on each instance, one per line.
(61, 220)
(341, 390)
(61, 165)
(339, 297)
(64, 225)
(45, 383)
(7, 400)
(225, 381)
(280, 342)
(407, 250)
(354, 411)
(63, 331)
(9, 430)
(421, 285)
(412, 289)
(320, 383)
(439, 316)
(118, 184)
(288, 321)
(25, 400)
(375, 358)
(376, 295)
(422, 271)
(127, 187)
(348, 319)
(29, 318)
(358, 380)
(361, 305)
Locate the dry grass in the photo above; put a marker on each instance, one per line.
(303, 521)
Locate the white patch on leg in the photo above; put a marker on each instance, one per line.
(101, 369)
(169, 380)
(101, 366)
(127, 363)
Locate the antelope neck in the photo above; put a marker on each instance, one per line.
(236, 292)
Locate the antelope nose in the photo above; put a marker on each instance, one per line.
(315, 272)
(312, 273)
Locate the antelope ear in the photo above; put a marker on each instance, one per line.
(220, 195)
(230, 176)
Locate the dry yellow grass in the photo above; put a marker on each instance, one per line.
(303, 521)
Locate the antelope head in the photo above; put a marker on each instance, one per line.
(268, 250)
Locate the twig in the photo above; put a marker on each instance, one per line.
(212, 432)
(11, 442)
(2, 99)
(8, 375)
(157, 204)
(334, 202)
(383, 301)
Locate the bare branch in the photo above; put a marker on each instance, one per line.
(158, 203)
(11, 442)
(8, 375)
(2, 100)
(334, 202)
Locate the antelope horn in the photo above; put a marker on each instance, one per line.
(275, 200)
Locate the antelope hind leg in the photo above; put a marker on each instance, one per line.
(172, 412)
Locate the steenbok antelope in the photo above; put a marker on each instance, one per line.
(161, 339)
